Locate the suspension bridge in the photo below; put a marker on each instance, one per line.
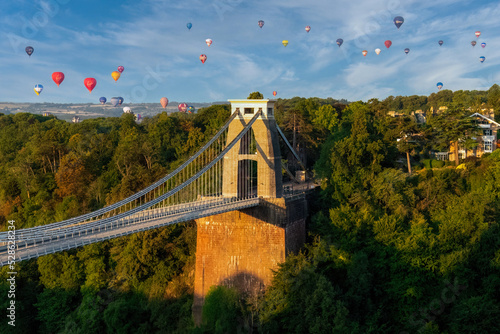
(239, 168)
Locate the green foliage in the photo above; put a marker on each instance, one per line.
(255, 95)
(53, 306)
(127, 315)
(220, 310)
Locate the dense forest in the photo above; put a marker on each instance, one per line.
(394, 246)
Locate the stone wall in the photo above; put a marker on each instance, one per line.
(241, 248)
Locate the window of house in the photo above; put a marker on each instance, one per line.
(443, 156)
(488, 146)
(269, 111)
(487, 132)
(461, 154)
(248, 111)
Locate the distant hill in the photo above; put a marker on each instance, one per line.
(66, 111)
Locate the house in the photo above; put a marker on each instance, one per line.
(487, 141)
(419, 116)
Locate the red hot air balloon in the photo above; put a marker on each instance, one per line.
(90, 83)
(478, 33)
(364, 52)
(120, 69)
(164, 102)
(58, 77)
(274, 93)
(388, 43)
(203, 58)
(308, 28)
(183, 107)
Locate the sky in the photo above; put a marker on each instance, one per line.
(160, 54)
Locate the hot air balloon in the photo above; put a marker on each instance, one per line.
(478, 33)
(274, 93)
(38, 89)
(398, 21)
(285, 43)
(377, 51)
(115, 75)
(440, 43)
(482, 59)
(182, 107)
(120, 100)
(208, 41)
(364, 52)
(189, 25)
(261, 23)
(120, 69)
(58, 77)
(90, 83)
(102, 100)
(203, 58)
(138, 117)
(114, 101)
(191, 109)
(164, 102)
(473, 43)
(439, 85)
(407, 50)
(483, 45)
(127, 110)
(308, 28)
(388, 43)
(340, 41)
(29, 50)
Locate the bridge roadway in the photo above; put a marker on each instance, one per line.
(57, 239)
(48, 240)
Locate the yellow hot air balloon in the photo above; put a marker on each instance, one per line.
(285, 42)
(115, 75)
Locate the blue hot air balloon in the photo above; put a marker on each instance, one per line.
(340, 41)
(114, 101)
(440, 43)
(191, 109)
(439, 85)
(189, 25)
(38, 89)
(398, 21)
(102, 100)
(120, 100)
(407, 50)
(482, 59)
(483, 45)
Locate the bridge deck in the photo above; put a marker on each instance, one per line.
(56, 239)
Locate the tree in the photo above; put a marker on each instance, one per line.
(221, 310)
(72, 178)
(407, 134)
(256, 96)
(453, 126)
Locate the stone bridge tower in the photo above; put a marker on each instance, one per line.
(241, 248)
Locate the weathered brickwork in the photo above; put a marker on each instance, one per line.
(241, 248)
